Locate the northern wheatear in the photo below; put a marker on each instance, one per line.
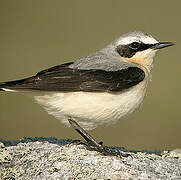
(98, 89)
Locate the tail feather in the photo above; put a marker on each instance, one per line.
(14, 85)
(2, 86)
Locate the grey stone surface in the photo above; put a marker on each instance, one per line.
(49, 158)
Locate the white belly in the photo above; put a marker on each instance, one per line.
(92, 109)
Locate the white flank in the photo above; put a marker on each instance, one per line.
(91, 110)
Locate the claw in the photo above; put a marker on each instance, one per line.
(91, 144)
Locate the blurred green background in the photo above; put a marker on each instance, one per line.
(35, 35)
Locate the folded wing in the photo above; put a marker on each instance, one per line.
(64, 79)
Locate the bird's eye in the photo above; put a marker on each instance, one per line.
(134, 45)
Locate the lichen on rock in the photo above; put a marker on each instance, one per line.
(49, 158)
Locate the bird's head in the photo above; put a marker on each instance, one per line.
(138, 47)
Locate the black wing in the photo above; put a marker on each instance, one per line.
(63, 78)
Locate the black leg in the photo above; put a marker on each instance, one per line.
(92, 144)
(90, 140)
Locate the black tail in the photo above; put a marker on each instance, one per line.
(1, 86)
(13, 85)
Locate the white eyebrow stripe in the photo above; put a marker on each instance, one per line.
(130, 39)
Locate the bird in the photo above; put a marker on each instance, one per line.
(96, 90)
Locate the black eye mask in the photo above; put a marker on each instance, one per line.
(130, 50)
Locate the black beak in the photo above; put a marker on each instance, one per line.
(161, 45)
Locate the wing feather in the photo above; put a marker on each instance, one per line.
(65, 79)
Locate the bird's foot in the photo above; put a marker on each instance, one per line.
(106, 151)
(91, 143)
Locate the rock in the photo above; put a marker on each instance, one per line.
(49, 158)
